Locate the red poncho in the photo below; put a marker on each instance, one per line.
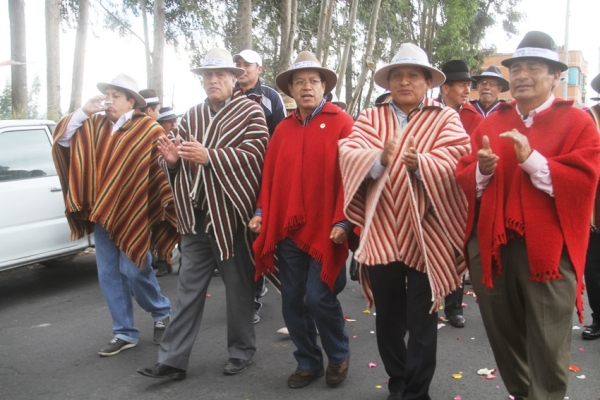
(469, 117)
(301, 194)
(569, 141)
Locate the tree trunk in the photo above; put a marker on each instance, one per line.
(158, 50)
(244, 25)
(148, 53)
(327, 36)
(288, 33)
(369, 92)
(53, 59)
(368, 63)
(79, 56)
(321, 31)
(16, 14)
(349, 75)
(347, 46)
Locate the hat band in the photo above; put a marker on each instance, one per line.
(290, 105)
(492, 74)
(167, 114)
(152, 100)
(121, 83)
(218, 62)
(410, 60)
(306, 64)
(536, 52)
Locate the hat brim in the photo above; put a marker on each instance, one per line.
(169, 118)
(340, 104)
(139, 100)
(236, 71)
(595, 99)
(282, 79)
(381, 75)
(595, 84)
(505, 85)
(458, 76)
(508, 62)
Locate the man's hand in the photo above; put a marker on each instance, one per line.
(338, 235)
(410, 157)
(487, 159)
(169, 150)
(521, 144)
(389, 151)
(92, 105)
(255, 224)
(193, 151)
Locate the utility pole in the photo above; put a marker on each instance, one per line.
(565, 85)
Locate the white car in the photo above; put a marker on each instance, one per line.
(33, 227)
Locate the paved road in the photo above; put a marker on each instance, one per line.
(53, 321)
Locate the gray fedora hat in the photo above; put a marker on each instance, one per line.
(150, 96)
(493, 72)
(306, 60)
(218, 58)
(125, 83)
(538, 45)
(595, 84)
(409, 55)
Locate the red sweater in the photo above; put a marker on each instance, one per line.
(469, 117)
(301, 193)
(512, 205)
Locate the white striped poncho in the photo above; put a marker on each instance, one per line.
(418, 222)
(236, 139)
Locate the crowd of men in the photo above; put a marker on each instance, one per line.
(257, 183)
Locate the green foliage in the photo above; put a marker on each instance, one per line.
(6, 111)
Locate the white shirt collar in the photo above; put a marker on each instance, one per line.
(529, 120)
(121, 121)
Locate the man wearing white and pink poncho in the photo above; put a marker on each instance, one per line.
(398, 174)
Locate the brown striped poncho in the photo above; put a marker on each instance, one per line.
(236, 139)
(115, 180)
(420, 223)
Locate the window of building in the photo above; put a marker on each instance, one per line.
(573, 76)
(25, 154)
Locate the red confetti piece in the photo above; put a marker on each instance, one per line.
(372, 365)
(457, 397)
(208, 295)
(581, 349)
(574, 368)
(490, 377)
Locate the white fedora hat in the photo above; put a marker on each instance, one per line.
(306, 60)
(125, 83)
(409, 55)
(218, 58)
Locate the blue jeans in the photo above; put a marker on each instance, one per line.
(118, 277)
(308, 305)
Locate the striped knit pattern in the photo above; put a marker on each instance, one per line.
(236, 139)
(420, 223)
(115, 180)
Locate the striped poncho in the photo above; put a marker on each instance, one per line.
(236, 139)
(418, 222)
(115, 180)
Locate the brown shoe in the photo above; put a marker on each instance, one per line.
(336, 373)
(301, 378)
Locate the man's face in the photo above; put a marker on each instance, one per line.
(218, 84)
(307, 89)
(531, 81)
(120, 105)
(489, 89)
(408, 86)
(169, 125)
(456, 93)
(253, 71)
(152, 111)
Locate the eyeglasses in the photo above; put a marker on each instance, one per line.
(301, 82)
(491, 83)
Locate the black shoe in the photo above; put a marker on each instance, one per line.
(115, 346)
(235, 366)
(159, 329)
(457, 321)
(164, 269)
(162, 371)
(592, 332)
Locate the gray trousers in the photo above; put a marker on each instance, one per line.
(199, 258)
(528, 323)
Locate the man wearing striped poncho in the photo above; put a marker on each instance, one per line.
(398, 173)
(215, 167)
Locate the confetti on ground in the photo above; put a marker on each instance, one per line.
(366, 312)
(576, 328)
(574, 368)
(442, 319)
(208, 295)
(485, 371)
(374, 313)
(490, 377)
(464, 305)
(511, 397)
(372, 332)
(441, 326)
(457, 397)
(497, 387)
(580, 376)
(348, 319)
(372, 365)
(457, 376)
(354, 337)
(470, 293)
(581, 349)
(378, 387)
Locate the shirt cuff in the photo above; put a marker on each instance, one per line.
(376, 169)
(346, 225)
(534, 162)
(79, 117)
(258, 212)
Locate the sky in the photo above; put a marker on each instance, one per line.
(108, 55)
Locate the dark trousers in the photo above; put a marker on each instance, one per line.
(453, 302)
(403, 299)
(592, 275)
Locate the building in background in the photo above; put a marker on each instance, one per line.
(577, 76)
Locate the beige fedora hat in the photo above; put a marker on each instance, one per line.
(218, 58)
(306, 60)
(125, 83)
(288, 102)
(409, 55)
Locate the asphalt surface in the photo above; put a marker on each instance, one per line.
(54, 320)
